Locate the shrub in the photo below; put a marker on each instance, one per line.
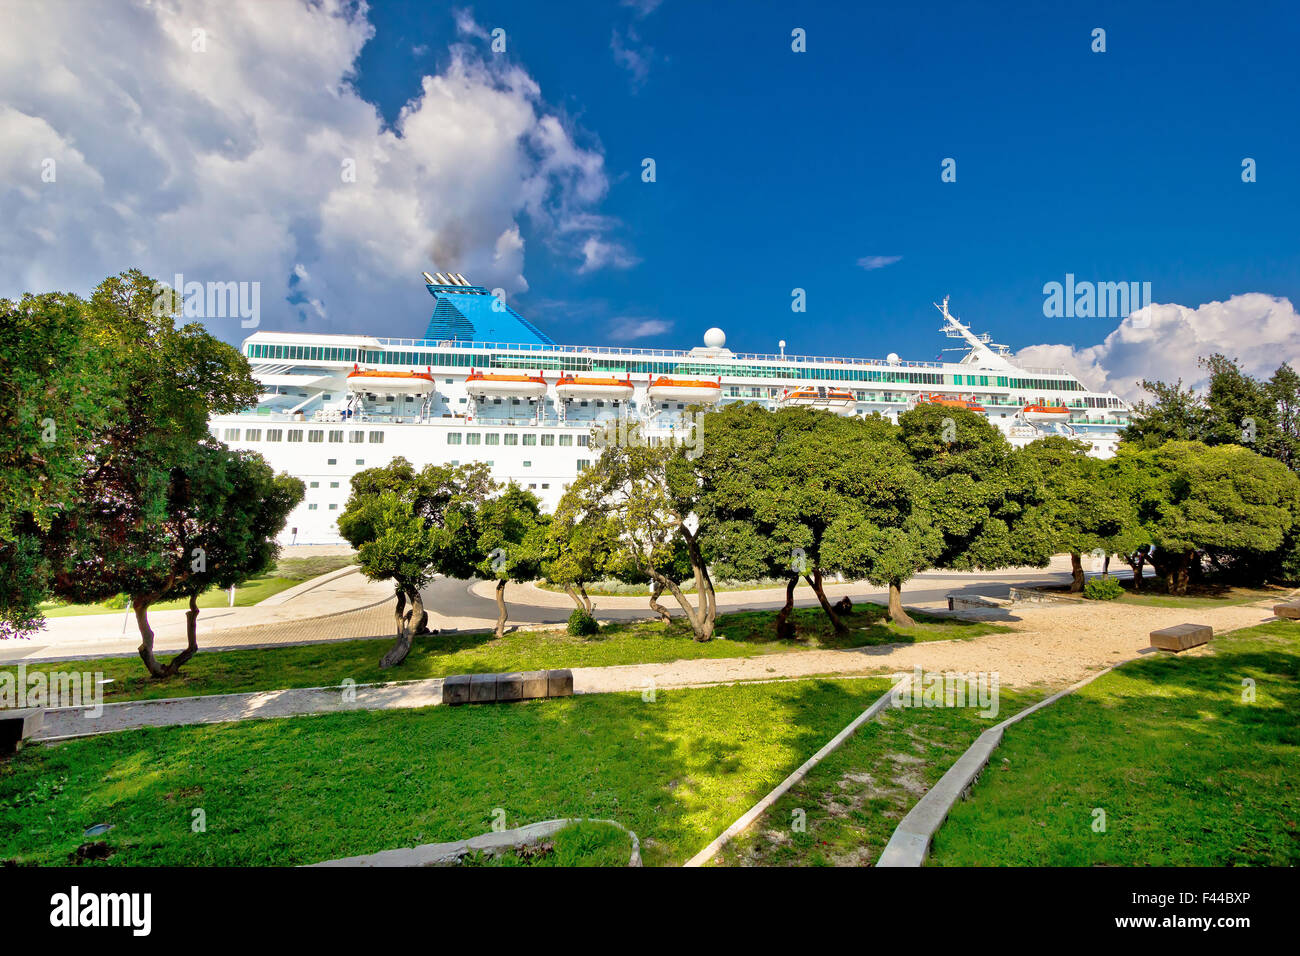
(582, 624)
(1102, 589)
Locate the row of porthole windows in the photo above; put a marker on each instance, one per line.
(314, 435)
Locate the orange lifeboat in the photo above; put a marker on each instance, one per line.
(375, 380)
(818, 396)
(664, 389)
(947, 401)
(484, 385)
(1045, 413)
(571, 387)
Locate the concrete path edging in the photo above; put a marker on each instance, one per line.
(436, 854)
(754, 812)
(310, 584)
(910, 843)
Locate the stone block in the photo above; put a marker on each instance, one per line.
(1288, 610)
(534, 684)
(510, 686)
(455, 689)
(483, 688)
(559, 683)
(1181, 636)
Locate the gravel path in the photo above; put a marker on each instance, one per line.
(1052, 645)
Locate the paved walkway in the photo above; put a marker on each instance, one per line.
(1051, 645)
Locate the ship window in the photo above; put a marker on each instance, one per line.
(334, 484)
(336, 434)
(316, 435)
(584, 464)
(327, 396)
(312, 507)
(600, 403)
(274, 434)
(462, 401)
(473, 438)
(491, 438)
(548, 439)
(582, 441)
(253, 434)
(496, 401)
(361, 461)
(232, 434)
(545, 485)
(448, 381)
(530, 439)
(566, 439)
(528, 464)
(453, 438)
(295, 434)
(532, 486)
(583, 403)
(334, 507)
(680, 405)
(331, 461)
(512, 439)
(314, 484)
(376, 438)
(356, 437)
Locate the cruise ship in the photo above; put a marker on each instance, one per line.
(485, 384)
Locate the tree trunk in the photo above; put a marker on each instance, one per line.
(501, 608)
(701, 624)
(1105, 566)
(582, 589)
(656, 606)
(140, 604)
(191, 637)
(1183, 573)
(703, 619)
(896, 613)
(815, 582)
(1076, 572)
(785, 629)
(573, 596)
(397, 653)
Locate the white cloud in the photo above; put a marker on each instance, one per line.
(598, 254)
(629, 327)
(632, 55)
(1164, 342)
(642, 8)
(878, 262)
(232, 163)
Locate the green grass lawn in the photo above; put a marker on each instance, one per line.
(587, 843)
(676, 771)
(844, 812)
(437, 655)
(1154, 595)
(1186, 772)
(287, 573)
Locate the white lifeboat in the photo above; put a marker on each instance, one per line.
(484, 385)
(570, 387)
(1045, 413)
(693, 391)
(390, 383)
(817, 396)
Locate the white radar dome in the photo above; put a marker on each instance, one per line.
(715, 338)
(892, 358)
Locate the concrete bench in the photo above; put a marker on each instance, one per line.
(17, 725)
(505, 688)
(1289, 610)
(1181, 636)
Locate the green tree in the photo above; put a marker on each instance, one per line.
(652, 492)
(1224, 503)
(118, 533)
(512, 534)
(408, 526)
(582, 540)
(54, 399)
(1085, 506)
(984, 500)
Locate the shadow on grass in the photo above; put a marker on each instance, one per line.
(676, 771)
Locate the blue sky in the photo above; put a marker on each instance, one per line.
(778, 170)
(329, 151)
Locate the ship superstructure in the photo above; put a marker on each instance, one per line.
(332, 405)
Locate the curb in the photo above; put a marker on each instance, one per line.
(302, 587)
(753, 813)
(910, 843)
